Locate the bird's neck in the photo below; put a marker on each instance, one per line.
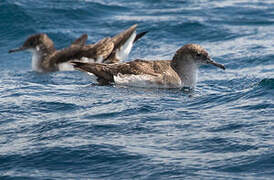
(39, 54)
(187, 71)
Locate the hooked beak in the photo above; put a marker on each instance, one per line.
(210, 61)
(17, 49)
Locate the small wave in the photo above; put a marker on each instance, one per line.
(21, 21)
(50, 107)
(267, 83)
(251, 164)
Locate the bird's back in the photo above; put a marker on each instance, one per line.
(154, 73)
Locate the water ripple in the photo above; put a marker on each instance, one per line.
(64, 126)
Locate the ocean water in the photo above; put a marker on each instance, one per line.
(63, 126)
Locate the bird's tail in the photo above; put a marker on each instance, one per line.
(98, 69)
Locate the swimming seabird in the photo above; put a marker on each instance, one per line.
(181, 71)
(45, 58)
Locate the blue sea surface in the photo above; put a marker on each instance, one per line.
(63, 126)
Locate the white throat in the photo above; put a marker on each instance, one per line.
(36, 60)
(189, 74)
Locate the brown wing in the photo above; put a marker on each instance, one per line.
(102, 49)
(103, 71)
(119, 40)
(81, 41)
(122, 37)
(106, 72)
(112, 57)
(150, 67)
(62, 56)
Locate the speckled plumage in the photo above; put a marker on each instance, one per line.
(167, 73)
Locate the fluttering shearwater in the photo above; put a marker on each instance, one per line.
(45, 58)
(179, 72)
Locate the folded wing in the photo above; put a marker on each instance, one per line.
(135, 73)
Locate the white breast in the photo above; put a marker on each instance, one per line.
(189, 74)
(36, 60)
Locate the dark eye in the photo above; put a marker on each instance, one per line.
(199, 54)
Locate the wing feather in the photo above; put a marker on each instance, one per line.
(81, 41)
